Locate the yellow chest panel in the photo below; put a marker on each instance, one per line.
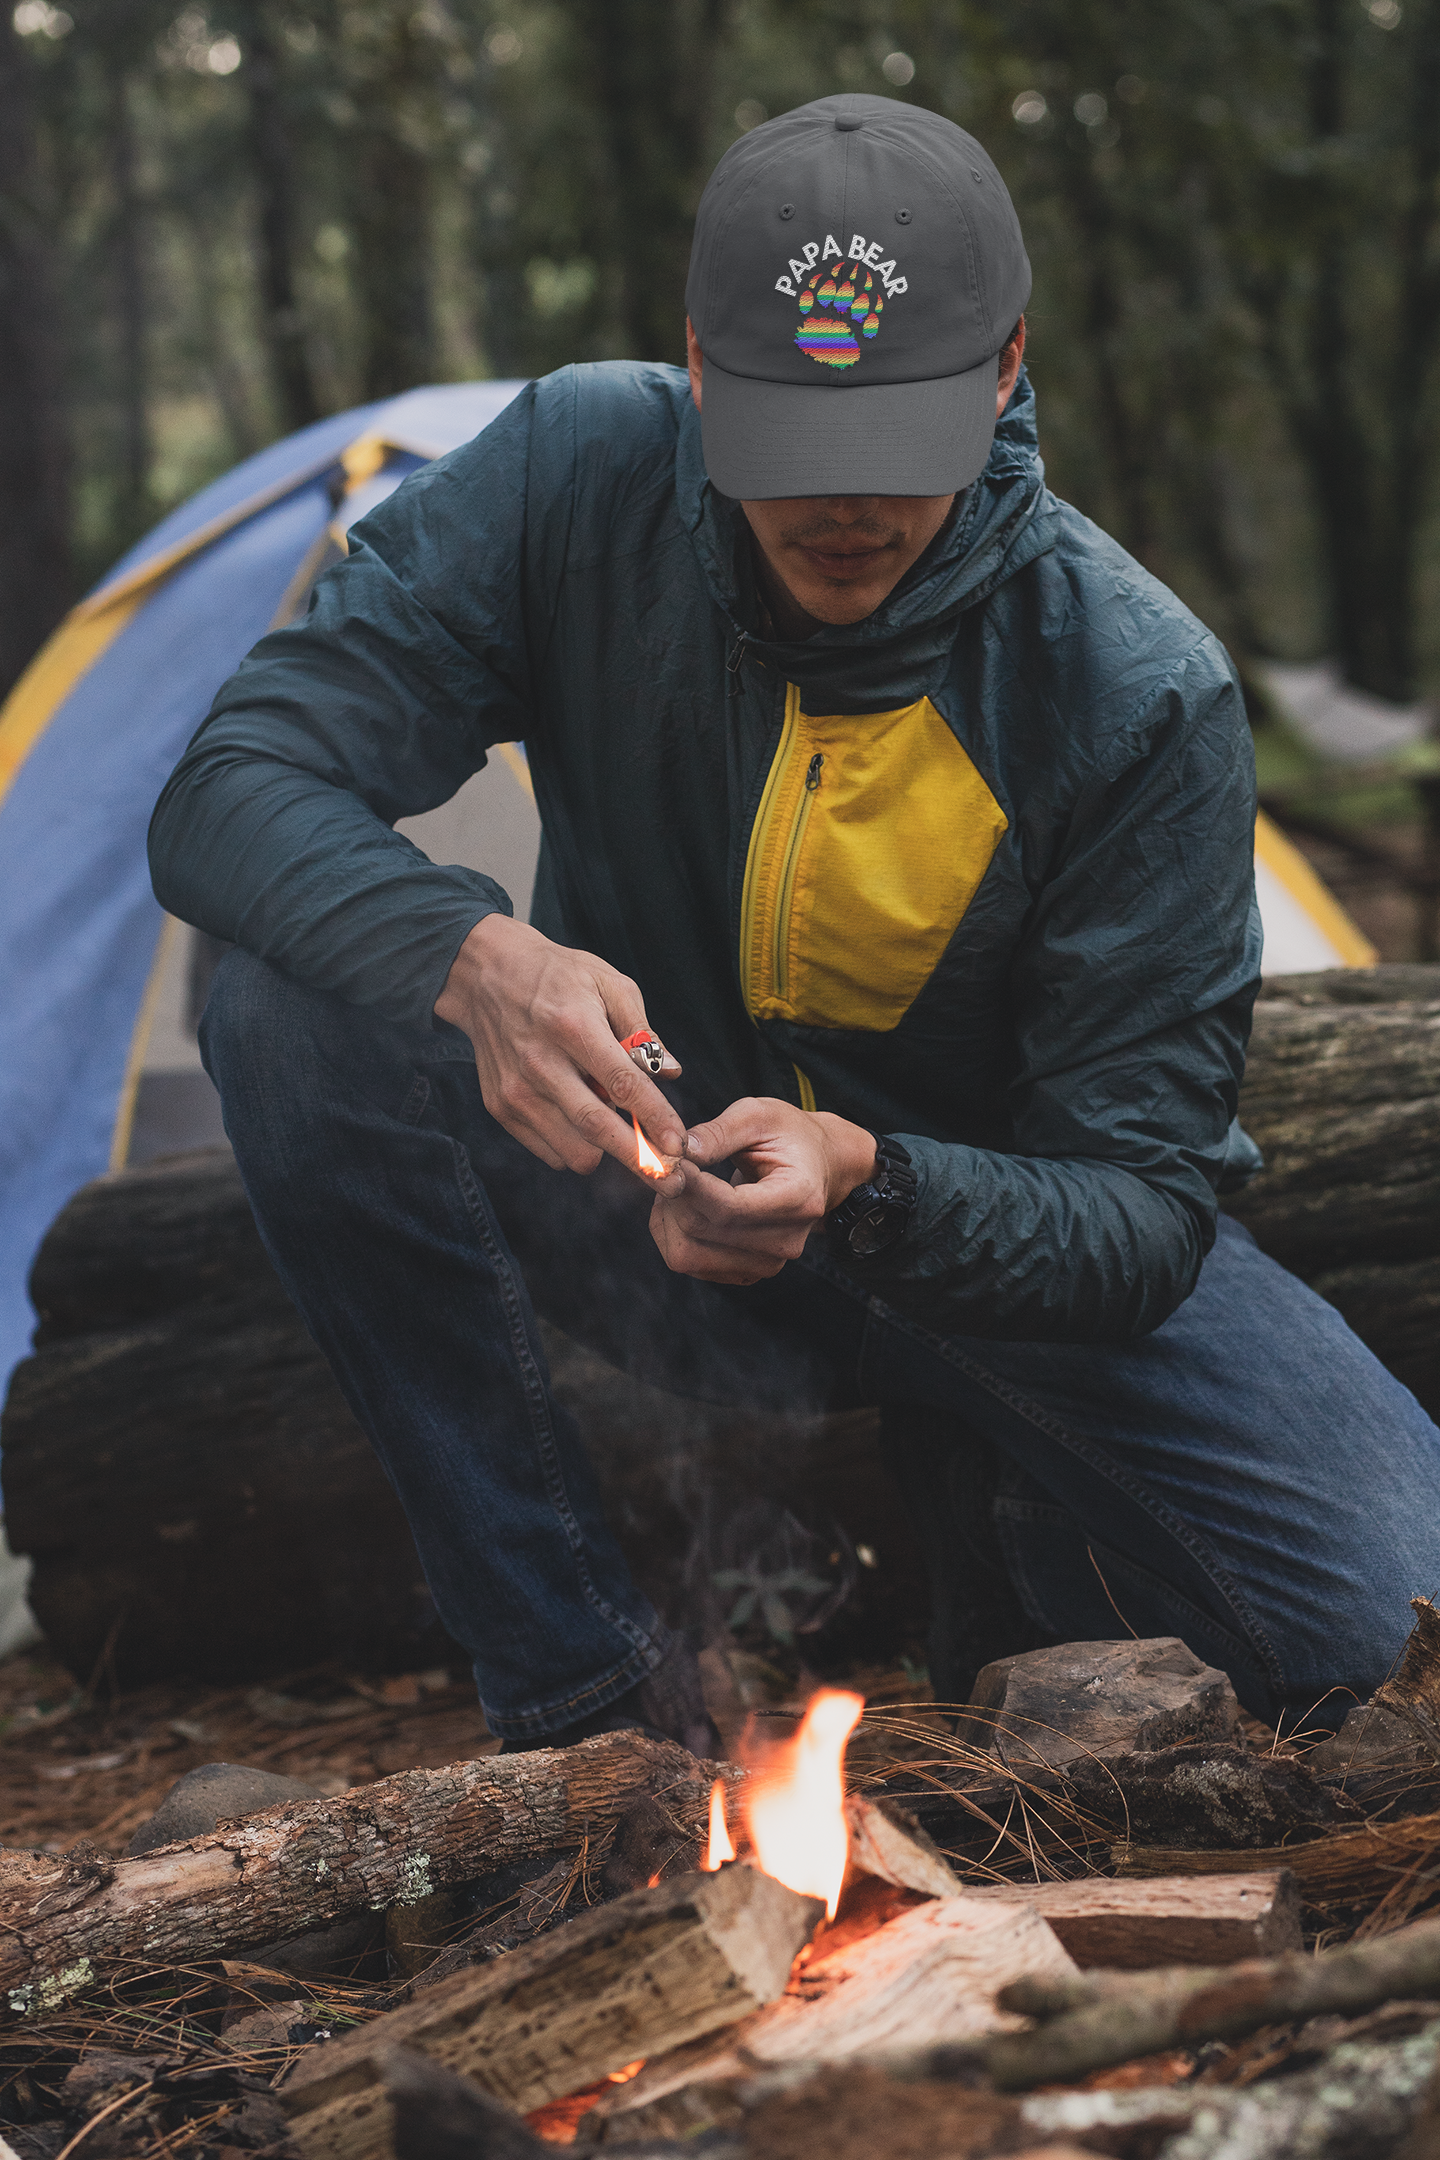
(870, 842)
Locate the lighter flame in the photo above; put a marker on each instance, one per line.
(652, 1164)
(721, 1848)
(795, 1811)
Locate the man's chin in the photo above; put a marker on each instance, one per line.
(837, 609)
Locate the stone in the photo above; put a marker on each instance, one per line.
(1380, 1761)
(1045, 1708)
(215, 1793)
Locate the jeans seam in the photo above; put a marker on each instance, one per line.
(650, 1652)
(1046, 1422)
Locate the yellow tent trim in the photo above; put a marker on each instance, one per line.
(139, 1043)
(49, 679)
(511, 753)
(1285, 862)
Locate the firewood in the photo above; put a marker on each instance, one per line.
(1094, 2020)
(302, 1865)
(1170, 1920)
(651, 1971)
(897, 1851)
(929, 1977)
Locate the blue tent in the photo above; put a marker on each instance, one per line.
(87, 739)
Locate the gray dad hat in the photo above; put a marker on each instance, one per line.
(857, 266)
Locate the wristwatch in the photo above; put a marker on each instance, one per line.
(875, 1215)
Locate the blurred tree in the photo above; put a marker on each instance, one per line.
(34, 507)
(652, 63)
(270, 136)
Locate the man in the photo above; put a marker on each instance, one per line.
(916, 820)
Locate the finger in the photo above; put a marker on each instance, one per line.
(600, 1057)
(709, 1263)
(551, 1139)
(714, 1208)
(599, 1125)
(745, 1124)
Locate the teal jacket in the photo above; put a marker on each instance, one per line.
(976, 872)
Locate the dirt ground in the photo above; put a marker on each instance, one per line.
(73, 1768)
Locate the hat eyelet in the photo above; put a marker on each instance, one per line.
(787, 209)
(902, 217)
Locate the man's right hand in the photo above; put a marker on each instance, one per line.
(544, 1021)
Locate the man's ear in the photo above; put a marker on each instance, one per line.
(1011, 356)
(696, 359)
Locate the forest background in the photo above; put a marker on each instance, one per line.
(221, 223)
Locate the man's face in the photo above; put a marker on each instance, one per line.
(835, 558)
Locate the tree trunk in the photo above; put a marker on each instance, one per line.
(64, 1922)
(273, 164)
(392, 218)
(34, 531)
(133, 508)
(652, 66)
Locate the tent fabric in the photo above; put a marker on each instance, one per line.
(88, 738)
(91, 732)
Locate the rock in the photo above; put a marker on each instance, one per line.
(1047, 1708)
(1209, 1797)
(1379, 1760)
(215, 1793)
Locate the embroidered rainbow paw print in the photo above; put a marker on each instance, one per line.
(838, 307)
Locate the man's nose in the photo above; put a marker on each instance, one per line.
(852, 509)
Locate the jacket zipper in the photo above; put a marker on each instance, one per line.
(780, 966)
(767, 898)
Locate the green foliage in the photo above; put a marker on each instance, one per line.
(262, 210)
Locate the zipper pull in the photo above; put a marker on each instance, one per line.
(735, 660)
(812, 774)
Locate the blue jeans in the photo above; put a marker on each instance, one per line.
(1248, 1477)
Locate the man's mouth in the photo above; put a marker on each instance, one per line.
(842, 562)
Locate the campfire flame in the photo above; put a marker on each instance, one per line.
(652, 1164)
(721, 1848)
(795, 1808)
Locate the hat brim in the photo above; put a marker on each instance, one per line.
(764, 441)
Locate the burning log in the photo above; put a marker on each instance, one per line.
(928, 1978)
(64, 1920)
(1091, 2021)
(655, 1969)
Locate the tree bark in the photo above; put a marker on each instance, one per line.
(1345, 1103)
(35, 574)
(65, 1922)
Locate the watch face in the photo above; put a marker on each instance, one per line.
(878, 1227)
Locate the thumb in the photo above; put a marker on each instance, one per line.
(743, 1125)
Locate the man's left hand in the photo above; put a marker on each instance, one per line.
(792, 1167)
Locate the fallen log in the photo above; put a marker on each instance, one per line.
(197, 1498)
(1172, 1920)
(654, 1970)
(1345, 1868)
(1344, 1102)
(1093, 2020)
(65, 1920)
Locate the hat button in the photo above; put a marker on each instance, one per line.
(847, 123)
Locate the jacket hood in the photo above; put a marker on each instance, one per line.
(1001, 523)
